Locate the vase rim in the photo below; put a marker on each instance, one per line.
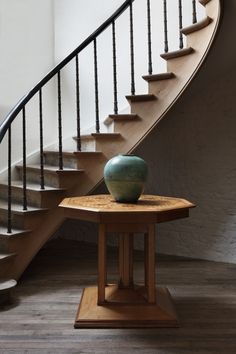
(131, 155)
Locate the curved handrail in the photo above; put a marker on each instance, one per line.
(25, 99)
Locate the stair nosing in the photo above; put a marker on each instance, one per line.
(141, 98)
(204, 2)
(93, 136)
(14, 233)
(159, 77)
(84, 137)
(20, 211)
(7, 287)
(4, 256)
(106, 135)
(177, 53)
(128, 116)
(32, 189)
(197, 26)
(48, 170)
(73, 154)
(87, 154)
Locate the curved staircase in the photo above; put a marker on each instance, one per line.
(83, 170)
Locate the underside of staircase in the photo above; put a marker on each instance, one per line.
(83, 170)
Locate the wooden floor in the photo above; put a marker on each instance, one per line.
(41, 316)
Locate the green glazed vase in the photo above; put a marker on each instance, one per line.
(125, 176)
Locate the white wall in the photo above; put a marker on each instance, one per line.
(27, 54)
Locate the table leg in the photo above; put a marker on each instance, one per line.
(102, 269)
(150, 264)
(125, 260)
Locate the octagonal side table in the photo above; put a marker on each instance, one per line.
(125, 304)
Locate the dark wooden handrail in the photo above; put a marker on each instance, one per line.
(22, 102)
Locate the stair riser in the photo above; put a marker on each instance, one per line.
(6, 287)
(22, 221)
(10, 244)
(50, 179)
(38, 199)
(86, 145)
(52, 159)
(4, 247)
(4, 267)
(159, 88)
(5, 297)
(53, 179)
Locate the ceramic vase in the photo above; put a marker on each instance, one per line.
(125, 176)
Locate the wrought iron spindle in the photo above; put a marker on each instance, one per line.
(42, 184)
(24, 159)
(77, 103)
(96, 86)
(132, 49)
(60, 158)
(166, 45)
(194, 12)
(149, 38)
(181, 43)
(114, 68)
(9, 214)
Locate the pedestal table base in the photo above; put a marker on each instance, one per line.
(134, 312)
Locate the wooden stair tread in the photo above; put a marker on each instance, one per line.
(7, 284)
(51, 169)
(197, 26)
(4, 256)
(204, 2)
(158, 77)
(177, 53)
(141, 98)
(18, 208)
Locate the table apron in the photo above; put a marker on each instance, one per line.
(130, 228)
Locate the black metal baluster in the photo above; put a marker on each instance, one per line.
(78, 103)
(166, 45)
(132, 49)
(60, 158)
(42, 184)
(96, 86)
(9, 215)
(194, 12)
(181, 43)
(24, 159)
(149, 38)
(114, 68)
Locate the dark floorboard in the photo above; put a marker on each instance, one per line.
(41, 316)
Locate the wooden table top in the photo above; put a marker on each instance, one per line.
(103, 208)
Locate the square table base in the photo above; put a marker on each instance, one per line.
(125, 308)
